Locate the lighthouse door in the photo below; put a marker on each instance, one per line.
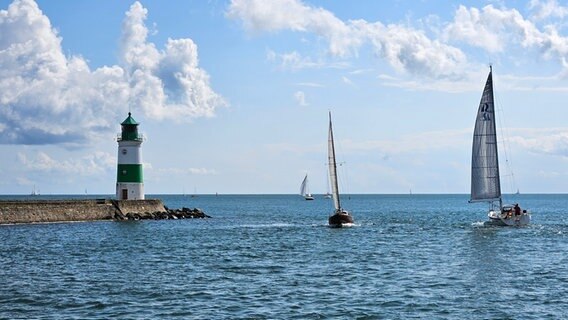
(124, 194)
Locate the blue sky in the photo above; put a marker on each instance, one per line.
(233, 95)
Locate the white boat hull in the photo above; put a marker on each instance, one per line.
(498, 218)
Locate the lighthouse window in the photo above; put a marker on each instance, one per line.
(124, 151)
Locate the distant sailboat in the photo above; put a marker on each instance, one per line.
(327, 195)
(305, 189)
(340, 216)
(485, 178)
(34, 192)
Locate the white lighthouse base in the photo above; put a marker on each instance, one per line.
(129, 191)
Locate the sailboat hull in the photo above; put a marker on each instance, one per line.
(340, 219)
(497, 218)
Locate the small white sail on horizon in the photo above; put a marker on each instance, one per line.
(327, 195)
(305, 189)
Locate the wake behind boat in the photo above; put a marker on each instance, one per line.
(340, 217)
(485, 178)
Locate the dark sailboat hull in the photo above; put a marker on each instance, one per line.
(340, 219)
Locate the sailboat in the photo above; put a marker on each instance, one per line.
(340, 217)
(485, 178)
(327, 195)
(305, 189)
(34, 192)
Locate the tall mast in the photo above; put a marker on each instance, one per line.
(496, 146)
(333, 167)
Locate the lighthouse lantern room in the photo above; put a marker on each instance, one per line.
(129, 178)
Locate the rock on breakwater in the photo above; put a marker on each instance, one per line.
(38, 211)
(183, 213)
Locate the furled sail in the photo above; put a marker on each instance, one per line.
(332, 167)
(485, 182)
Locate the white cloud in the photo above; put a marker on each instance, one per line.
(347, 81)
(260, 16)
(547, 9)
(295, 61)
(551, 141)
(408, 49)
(469, 82)
(415, 143)
(300, 98)
(90, 165)
(166, 84)
(185, 171)
(473, 82)
(303, 84)
(23, 181)
(360, 71)
(48, 98)
(496, 29)
(403, 47)
(203, 171)
(493, 29)
(476, 28)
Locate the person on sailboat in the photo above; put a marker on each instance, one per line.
(517, 210)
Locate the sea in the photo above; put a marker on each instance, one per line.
(273, 257)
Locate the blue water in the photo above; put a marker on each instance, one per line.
(272, 257)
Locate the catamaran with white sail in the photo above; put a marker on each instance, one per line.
(340, 217)
(485, 178)
(305, 189)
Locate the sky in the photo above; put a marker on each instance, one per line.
(233, 96)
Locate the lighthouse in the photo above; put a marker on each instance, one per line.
(129, 178)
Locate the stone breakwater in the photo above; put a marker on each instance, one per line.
(38, 211)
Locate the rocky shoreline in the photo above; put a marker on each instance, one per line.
(183, 213)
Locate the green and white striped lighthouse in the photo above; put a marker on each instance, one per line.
(129, 178)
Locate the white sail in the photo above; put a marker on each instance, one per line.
(304, 190)
(485, 181)
(332, 167)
